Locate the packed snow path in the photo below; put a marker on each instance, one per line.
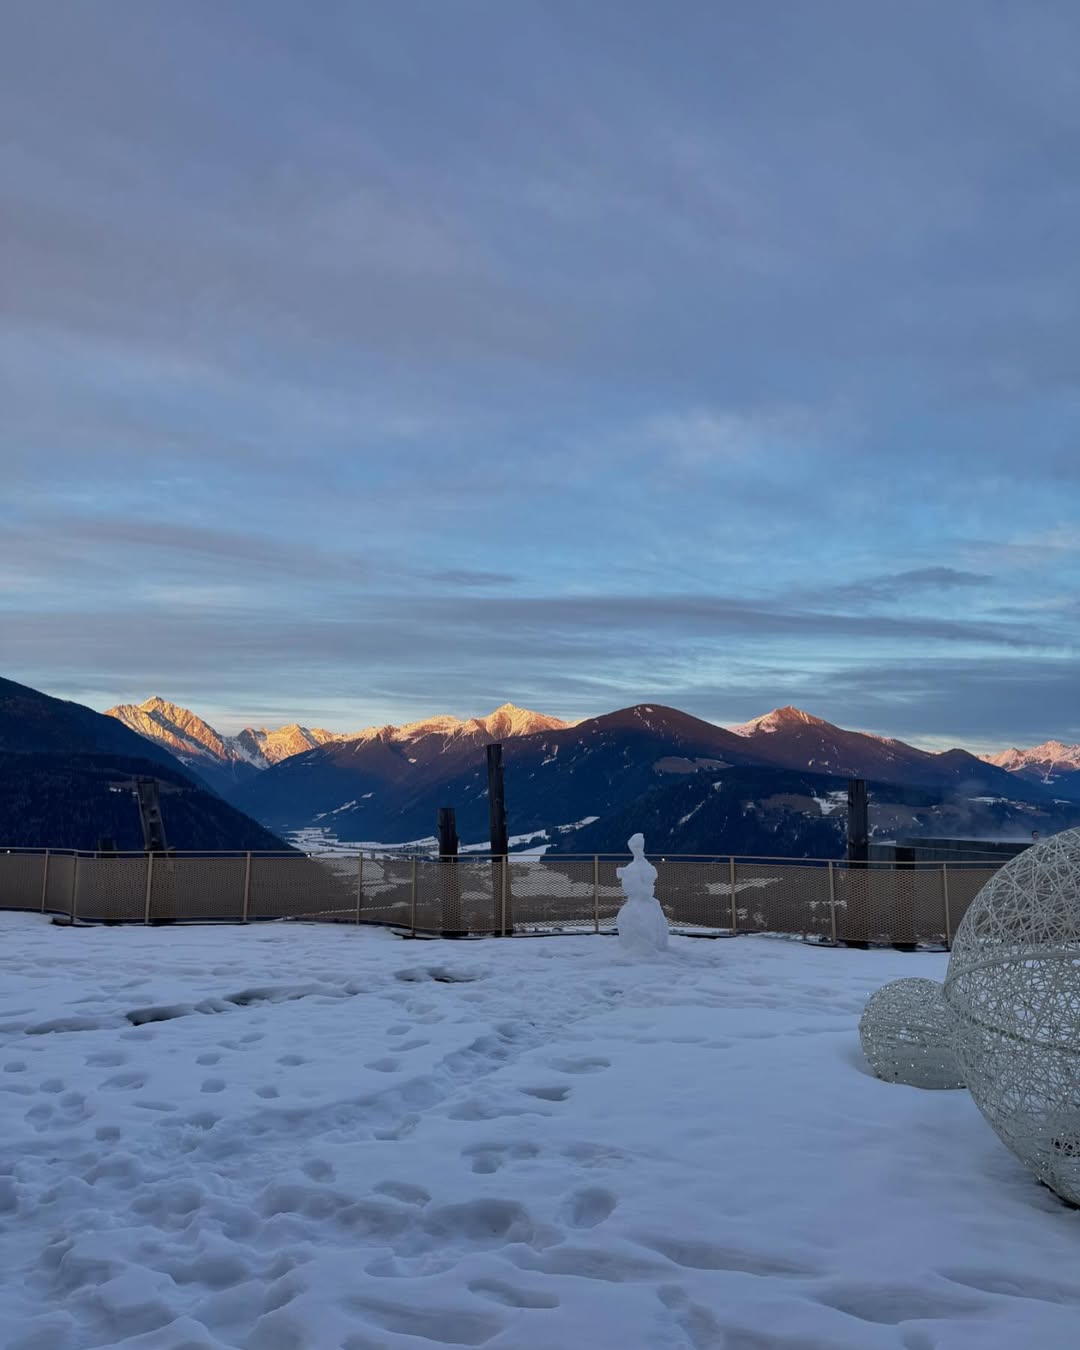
(295, 1137)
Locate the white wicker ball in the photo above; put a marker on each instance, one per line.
(1013, 984)
(906, 1032)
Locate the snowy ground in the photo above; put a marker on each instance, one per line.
(301, 1138)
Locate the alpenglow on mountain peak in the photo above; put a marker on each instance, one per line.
(167, 723)
(776, 720)
(1050, 754)
(197, 743)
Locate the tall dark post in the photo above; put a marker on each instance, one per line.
(858, 822)
(499, 839)
(448, 835)
(453, 925)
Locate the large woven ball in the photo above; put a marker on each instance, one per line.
(1013, 984)
(906, 1032)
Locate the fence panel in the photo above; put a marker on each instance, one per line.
(185, 887)
(480, 883)
(21, 878)
(611, 893)
(695, 894)
(881, 903)
(454, 895)
(110, 887)
(386, 889)
(557, 896)
(60, 883)
(783, 897)
(299, 887)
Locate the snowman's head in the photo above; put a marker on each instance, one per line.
(636, 844)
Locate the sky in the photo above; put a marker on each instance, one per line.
(362, 361)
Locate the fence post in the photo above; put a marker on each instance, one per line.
(505, 871)
(247, 887)
(149, 885)
(412, 898)
(731, 884)
(74, 885)
(596, 892)
(832, 903)
(359, 884)
(945, 900)
(45, 882)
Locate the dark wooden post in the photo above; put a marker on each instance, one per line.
(448, 835)
(453, 924)
(858, 822)
(499, 841)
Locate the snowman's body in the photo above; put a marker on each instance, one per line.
(643, 929)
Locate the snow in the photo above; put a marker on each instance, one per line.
(320, 839)
(832, 802)
(293, 1137)
(1049, 755)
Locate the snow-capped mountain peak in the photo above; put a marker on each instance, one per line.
(779, 719)
(183, 731)
(261, 746)
(1050, 756)
(509, 720)
(502, 724)
(196, 742)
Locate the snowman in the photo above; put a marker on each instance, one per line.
(643, 929)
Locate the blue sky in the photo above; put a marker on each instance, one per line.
(361, 361)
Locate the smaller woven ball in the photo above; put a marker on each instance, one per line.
(907, 1033)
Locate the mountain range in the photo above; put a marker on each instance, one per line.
(1053, 764)
(573, 783)
(226, 762)
(775, 784)
(222, 761)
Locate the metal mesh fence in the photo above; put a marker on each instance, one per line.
(960, 886)
(778, 897)
(59, 883)
(903, 904)
(560, 896)
(111, 888)
(386, 891)
(196, 888)
(296, 886)
(22, 879)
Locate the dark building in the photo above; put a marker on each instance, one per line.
(927, 850)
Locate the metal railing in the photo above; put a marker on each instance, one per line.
(902, 904)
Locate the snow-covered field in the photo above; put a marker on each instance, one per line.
(303, 1138)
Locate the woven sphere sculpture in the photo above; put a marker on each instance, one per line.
(906, 1032)
(1013, 984)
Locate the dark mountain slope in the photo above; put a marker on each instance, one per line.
(783, 813)
(65, 801)
(793, 739)
(57, 760)
(33, 721)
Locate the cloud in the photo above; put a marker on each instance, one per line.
(914, 582)
(467, 577)
(630, 350)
